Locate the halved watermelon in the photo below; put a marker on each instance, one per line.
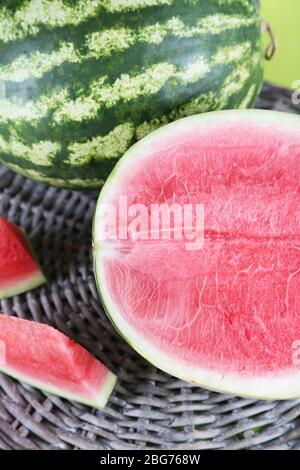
(40, 355)
(224, 313)
(19, 271)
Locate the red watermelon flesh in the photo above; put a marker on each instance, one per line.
(45, 358)
(19, 271)
(226, 316)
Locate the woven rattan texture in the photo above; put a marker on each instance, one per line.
(148, 408)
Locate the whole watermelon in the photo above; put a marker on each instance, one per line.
(81, 81)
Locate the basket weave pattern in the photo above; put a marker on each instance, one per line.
(148, 409)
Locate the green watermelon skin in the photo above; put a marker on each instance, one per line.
(81, 81)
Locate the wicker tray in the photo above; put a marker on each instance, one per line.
(148, 409)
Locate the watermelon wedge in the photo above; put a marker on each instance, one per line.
(41, 356)
(19, 271)
(213, 298)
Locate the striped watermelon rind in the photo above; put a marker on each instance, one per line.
(80, 84)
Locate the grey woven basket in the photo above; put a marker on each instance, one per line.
(148, 408)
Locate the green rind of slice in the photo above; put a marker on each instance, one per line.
(100, 402)
(22, 285)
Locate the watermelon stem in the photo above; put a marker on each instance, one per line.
(273, 44)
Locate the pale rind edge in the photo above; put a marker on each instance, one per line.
(103, 396)
(23, 285)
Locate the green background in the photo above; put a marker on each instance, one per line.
(284, 16)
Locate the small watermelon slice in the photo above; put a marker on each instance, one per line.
(226, 314)
(45, 358)
(19, 270)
